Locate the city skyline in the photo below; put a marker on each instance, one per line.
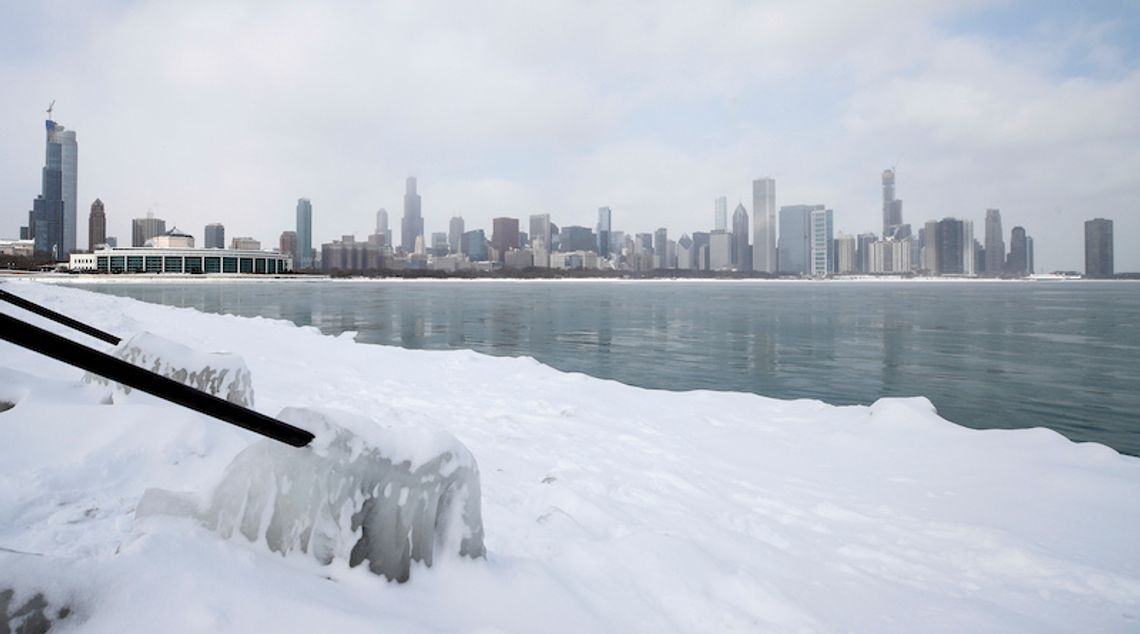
(504, 113)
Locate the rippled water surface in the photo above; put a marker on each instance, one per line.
(1064, 355)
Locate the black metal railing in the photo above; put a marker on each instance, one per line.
(62, 349)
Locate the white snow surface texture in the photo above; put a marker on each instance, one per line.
(607, 508)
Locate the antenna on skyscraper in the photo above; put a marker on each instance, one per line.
(51, 106)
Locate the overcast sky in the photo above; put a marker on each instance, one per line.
(228, 112)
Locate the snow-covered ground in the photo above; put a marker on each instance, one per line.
(607, 508)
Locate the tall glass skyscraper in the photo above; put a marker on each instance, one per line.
(764, 225)
(605, 226)
(69, 171)
(795, 238)
(49, 210)
(995, 245)
(412, 225)
(822, 256)
(304, 258)
(892, 207)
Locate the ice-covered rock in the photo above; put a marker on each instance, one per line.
(221, 374)
(358, 492)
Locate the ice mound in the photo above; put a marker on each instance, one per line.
(357, 492)
(221, 374)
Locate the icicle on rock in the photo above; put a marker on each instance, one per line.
(358, 492)
(221, 374)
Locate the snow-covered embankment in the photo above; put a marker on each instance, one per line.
(606, 507)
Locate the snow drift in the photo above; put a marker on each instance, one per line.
(607, 508)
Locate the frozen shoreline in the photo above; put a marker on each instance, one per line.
(607, 507)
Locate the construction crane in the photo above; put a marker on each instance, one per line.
(51, 106)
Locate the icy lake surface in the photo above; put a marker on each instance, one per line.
(1061, 355)
(606, 507)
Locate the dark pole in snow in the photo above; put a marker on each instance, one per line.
(50, 344)
(33, 307)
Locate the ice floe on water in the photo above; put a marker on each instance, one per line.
(604, 507)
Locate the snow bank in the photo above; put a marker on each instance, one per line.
(606, 507)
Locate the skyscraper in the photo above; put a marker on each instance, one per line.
(288, 244)
(605, 226)
(69, 164)
(304, 258)
(412, 225)
(455, 230)
(96, 226)
(892, 207)
(504, 236)
(48, 209)
(741, 254)
(995, 246)
(720, 214)
(215, 236)
(949, 247)
(660, 248)
(822, 256)
(382, 229)
(1098, 248)
(540, 229)
(795, 238)
(764, 225)
(143, 229)
(1018, 261)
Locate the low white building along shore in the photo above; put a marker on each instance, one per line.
(174, 252)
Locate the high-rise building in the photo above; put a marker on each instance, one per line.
(143, 229)
(720, 214)
(439, 244)
(1018, 261)
(661, 248)
(892, 207)
(822, 257)
(701, 250)
(304, 257)
(605, 226)
(764, 225)
(412, 225)
(575, 238)
(216, 236)
(1029, 255)
(288, 244)
(540, 229)
(475, 245)
(863, 251)
(720, 251)
(48, 215)
(995, 246)
(686, 259)
(455, 230)
(96, 226)
(382, 229)
(846, 254)
(504, 236)
(741, 253)
(69, 164)
(1098, 248)
(949, 247)
(795, 238)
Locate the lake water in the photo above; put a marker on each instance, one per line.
(1064, 355)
